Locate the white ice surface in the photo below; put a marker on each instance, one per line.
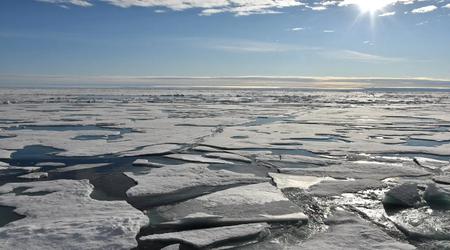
(67, 218)
(197, 158)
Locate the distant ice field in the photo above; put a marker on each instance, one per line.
(250, 168)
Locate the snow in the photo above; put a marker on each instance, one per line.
(336, 146)
(212, 237)
(339, 187)
(67, 218)
(141, 162)
(361, 170)
(431, 163)
(25, 169)
(260, 202)
(181, 181)
(5, 154)
(197, 158)
(347, 231)
(443, 179)
(229, 156)
(153, 150)
(296, 181)
(4, 165)
(34, 176)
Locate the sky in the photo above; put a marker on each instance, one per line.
(101, 41)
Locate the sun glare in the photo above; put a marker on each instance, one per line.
(372, 5)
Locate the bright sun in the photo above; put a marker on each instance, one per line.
(372, 5)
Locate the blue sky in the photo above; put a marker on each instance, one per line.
(134, 38)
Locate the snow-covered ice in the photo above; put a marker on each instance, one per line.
(215, 158)
(173, 183)
(67, 218)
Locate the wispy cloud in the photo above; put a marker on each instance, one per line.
(381, 3)
(236, 45)
(248, 46)
(208, 7)
(426, 9)
(361, 57)
(82, 3)
(246, 7)
(387, 14)
(297, 29)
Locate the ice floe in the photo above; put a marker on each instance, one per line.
(260, 202)
(197, 158)
(360, 170)
(296, 181)
(431, 163)
(174, 183)
(153, 150)
(34, 176)
(228, 156)
(442, 179)
(405, 195)
(67, 218)
(346, 231)
(437, 196)
(212, 238)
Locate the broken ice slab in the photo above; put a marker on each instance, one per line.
(34, 176)
(360, 170)
(442, 179)
(175, 183)
(404, 195)
(296, 181)
(260, 202)
(147, 163)
(228, 156)
(67, 218)
(432, 164)
(437, 197)
(5, 154)
(153, 150)
(347, 231)
(423, 223)
(197, 158)
(216, 237)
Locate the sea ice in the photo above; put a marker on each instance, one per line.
(437, 196)
(228, 156)
(360, 170)
(173, 183)
(197, 158)
(296, 181)
(346, 231)
(260, 202)
(212, 238)
(431, 163)
(405, 195)
(67, 218)
(34, 176)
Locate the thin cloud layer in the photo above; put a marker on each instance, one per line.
(246, 7)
